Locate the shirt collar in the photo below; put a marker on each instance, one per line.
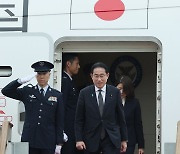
(123, 101)
(45, 88)
(68, 75)
(103, 88)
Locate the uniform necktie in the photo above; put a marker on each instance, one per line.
(101, 104)
(42, 92)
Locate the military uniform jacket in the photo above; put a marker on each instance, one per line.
(70, 97)
(43, 126)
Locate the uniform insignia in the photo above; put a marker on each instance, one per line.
(52, 98)
(32, 96)
(64, 77)
(41, 63)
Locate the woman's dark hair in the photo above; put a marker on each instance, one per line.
(128, 87)
(101, 65)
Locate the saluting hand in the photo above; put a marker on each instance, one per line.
(27, 78)
(80, 145)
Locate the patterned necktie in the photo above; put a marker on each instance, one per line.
(42, 92)
(101, 104)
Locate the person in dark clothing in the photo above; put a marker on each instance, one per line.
(44, 113)
(132, 113)
(70, 95)
(100, 123)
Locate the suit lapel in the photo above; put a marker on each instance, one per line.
(37, 93)
(126, 105)
(48, 93)
(108, 98)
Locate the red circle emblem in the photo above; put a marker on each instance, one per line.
(109, 9)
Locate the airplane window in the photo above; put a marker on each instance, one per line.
(5, 71)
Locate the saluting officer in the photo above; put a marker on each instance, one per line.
(44, 116)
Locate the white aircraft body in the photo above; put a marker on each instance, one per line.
(138, 38)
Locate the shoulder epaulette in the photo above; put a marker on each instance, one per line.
(30, 85)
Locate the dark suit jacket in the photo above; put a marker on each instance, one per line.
(43, 126)
(132, 112)
(88, 122)
(70, 97)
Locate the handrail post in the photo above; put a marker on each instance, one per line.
(6, 125)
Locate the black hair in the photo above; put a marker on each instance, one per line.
(101, 65)
(128, 87)
(68, 57)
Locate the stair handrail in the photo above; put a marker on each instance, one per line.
(4, 134)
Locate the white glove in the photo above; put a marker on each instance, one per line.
(65, 137)
(58, 149)
(27, 78)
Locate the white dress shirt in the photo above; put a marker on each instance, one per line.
(45, 89)
(103, 92)
(123, 101)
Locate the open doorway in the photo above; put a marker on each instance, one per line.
(145, 90)
(143, 58)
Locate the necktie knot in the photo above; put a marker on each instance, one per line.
(42, 91)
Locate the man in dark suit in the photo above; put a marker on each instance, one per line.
(70, 95)
(43, 126)
(100, 122)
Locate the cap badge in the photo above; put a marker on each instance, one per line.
(41, 63)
